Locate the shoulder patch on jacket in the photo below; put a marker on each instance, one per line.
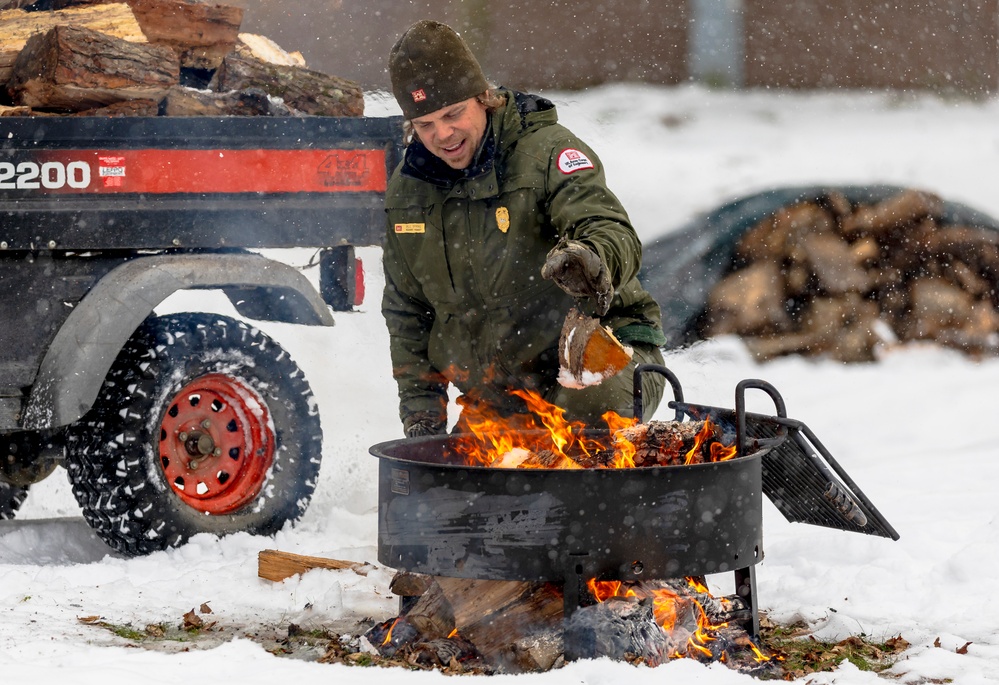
(571, 160)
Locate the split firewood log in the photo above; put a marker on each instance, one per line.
(907, 248)
(266, 50)
(432, 614)
(843, 328)
(494, 615)
(275, 565)
(408, 584)
(978, 335)
(201, 33)
(20, 111)
(899, 210)
(835, 203)
(17, 26)
(976, 247)
(663, 443)
(301, 89)
(125, 108)
(832, 263)
(540, 652)
(935, 305)
(749, 301)
(190, 102)
(74, 68)
(968, 279)
(775, 238)
(865, 251)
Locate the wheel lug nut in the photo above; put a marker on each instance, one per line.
(182, 437)
(217, 451)
(206, 424)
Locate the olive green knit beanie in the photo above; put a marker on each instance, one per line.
(431, 67)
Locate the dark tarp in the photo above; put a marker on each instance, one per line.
(681, 268)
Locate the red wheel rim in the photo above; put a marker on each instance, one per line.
(216, 444)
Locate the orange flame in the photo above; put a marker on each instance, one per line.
(388, 635)
(624, 449)
(666, 606)
(490, 439)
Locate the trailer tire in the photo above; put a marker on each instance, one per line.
(11, 499)
(204, 424)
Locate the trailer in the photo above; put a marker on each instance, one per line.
(174, 425)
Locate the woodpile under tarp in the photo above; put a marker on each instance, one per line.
(841, 279)
(154, 57)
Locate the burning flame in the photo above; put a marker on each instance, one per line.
(388, 633)
(717, 451)
(508, 441)
(666, 608)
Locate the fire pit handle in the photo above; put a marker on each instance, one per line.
(674, 382)
(740, 406)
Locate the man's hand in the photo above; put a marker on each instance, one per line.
(579, 271)
(424, 423)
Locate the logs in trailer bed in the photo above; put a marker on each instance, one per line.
(186, 58)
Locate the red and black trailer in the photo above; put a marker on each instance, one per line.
(164, 429)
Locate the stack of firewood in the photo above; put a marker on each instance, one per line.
(830, 278)
(154, 57)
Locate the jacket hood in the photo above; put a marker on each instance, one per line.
(523, 114)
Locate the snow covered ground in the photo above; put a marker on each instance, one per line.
(913, 430)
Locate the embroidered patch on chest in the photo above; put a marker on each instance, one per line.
(571, 160)
(503, 219)
(410, 228)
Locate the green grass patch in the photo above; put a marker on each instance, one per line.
(801, 653)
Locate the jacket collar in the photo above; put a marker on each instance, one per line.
(522, 114)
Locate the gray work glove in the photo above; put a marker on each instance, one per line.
(422, 423)
(579, 271)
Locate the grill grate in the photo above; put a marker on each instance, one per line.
(799, 476)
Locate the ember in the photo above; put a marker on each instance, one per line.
(519, 628)
(398, 638)
(695, 624)
(546, 439)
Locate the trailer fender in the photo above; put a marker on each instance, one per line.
(75, 365)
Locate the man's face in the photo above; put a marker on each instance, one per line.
(453, 133)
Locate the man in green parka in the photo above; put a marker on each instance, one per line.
(499, 220)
